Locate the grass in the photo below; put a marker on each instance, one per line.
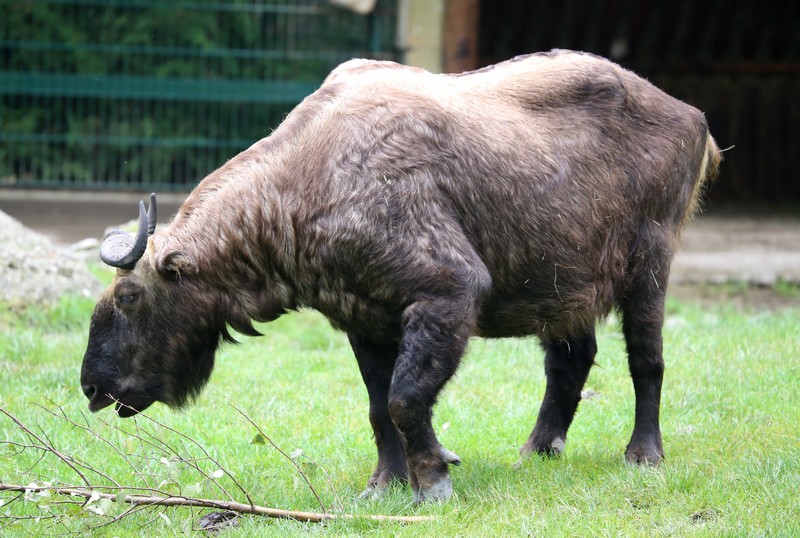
(730, 416)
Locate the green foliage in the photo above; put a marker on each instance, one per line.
(75, 133)
(234, 40)
(729, 419)
(787, 289)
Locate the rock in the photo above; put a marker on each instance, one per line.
(33, 271)
(90, 244)
(216, 521)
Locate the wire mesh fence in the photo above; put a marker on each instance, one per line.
(144, 93)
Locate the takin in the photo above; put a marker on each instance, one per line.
(415, 210)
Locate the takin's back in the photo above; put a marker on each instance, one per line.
(560, 170)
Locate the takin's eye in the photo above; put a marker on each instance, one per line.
(127, 300)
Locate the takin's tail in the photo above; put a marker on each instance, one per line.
(713, 157)
(709, 168)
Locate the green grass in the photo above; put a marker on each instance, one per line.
(730, 416)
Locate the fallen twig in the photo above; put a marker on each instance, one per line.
(141, 498)
(192, 464)
(242, 508)
(46, 446)
(283, 453)
(63, 416)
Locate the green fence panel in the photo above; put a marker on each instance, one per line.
(141, 94)
(154, 88)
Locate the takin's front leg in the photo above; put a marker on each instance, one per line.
(376, 363)
(435, 335)
(566, 365)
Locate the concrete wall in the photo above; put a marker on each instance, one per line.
(421, 25)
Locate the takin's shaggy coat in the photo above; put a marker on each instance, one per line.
(416, 210)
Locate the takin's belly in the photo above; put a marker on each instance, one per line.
(548, 313)
(547, 316)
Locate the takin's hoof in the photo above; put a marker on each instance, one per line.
(550, 449)
(373, 493)
(449, 457)
(644, 455)
(439, 491)
(439, 487)
(378, 487)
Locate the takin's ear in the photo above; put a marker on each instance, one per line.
(176, 264)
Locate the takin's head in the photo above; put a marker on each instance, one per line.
(154, 331)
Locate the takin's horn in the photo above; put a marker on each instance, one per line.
(123, 249)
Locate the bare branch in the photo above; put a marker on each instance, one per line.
(177, 500)
(207, 455)
(284, 454)
(133, 509)
(48, 448)
(63, 416)
(66, 459)
(141, 498)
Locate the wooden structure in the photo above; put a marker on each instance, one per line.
(739, 61)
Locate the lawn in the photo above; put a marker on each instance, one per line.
(730, 416)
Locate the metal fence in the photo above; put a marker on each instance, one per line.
(153, 94)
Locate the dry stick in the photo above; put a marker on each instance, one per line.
(284, 454)
(133, 509)
(66, 459)
(159, 446)
(44, 450)
(167, 500)
(23, 447)
(143, 443)
(63, 416)
(49, 448)
(204, 451)
(168, 449)
(87, 429)
(177, 500)
(337, 501)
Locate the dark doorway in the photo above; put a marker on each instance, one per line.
(737, 61)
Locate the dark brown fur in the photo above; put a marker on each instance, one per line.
(416, 210)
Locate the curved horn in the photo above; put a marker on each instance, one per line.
(123, 249)
(152, 214)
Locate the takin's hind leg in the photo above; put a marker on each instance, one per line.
(642, 321)
(376, 363)
(566, 365)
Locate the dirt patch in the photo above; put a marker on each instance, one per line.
(743, 297)
(757, 250)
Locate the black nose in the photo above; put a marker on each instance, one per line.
(89, 390)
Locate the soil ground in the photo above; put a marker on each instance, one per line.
(748, 257)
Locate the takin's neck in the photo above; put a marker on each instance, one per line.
(234, 227)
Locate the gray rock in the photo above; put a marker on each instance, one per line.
(33, 271)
